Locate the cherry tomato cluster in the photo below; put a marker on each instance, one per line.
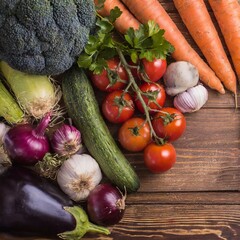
(119, 106)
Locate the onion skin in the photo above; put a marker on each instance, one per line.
(105, 205)
(27, 145)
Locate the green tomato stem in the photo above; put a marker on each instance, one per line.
(136, 89)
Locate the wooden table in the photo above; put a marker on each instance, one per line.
(199, 198)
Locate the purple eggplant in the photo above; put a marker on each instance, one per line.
(32, 205)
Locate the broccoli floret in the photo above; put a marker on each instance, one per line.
(44, 36)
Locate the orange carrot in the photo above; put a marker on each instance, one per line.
(198, 22)
(126, 19)
(145, 10)
(227, 13)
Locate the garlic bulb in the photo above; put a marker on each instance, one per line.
(180, 76)
(78, 175)
(3, 130)
(5, 161)
(66, 140)
(192, 99)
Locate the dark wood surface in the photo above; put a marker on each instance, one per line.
(199, 198)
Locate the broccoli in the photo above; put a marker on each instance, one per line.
(44, 36)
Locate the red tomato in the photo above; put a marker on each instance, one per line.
(118, 106)
(154, 96)
(134, 134)
(118, 80)
(155, 69)
(159, 158)
(169, 124)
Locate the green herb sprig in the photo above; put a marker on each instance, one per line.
(146, 42)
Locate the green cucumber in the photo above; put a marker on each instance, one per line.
(83, 109)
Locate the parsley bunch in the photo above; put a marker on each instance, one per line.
(146, 42)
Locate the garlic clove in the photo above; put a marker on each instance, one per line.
(191, 100)
(199, 96)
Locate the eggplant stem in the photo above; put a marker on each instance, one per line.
(82, 225)
(93, 228)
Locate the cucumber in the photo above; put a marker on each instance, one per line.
(83, 109)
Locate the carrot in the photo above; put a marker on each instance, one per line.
(145, 10)
(199, 23)
(126, 19)
(227, 13)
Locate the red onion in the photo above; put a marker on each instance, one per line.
(27, 145)
(66, 140)
(105, 204)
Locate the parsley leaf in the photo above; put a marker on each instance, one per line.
(146, 42)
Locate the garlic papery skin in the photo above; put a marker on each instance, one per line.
(66, 140)
(78, 175)
(3, 130)
(179, 77)
(5, 161)
(191, 100)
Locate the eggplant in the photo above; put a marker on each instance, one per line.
(31, 205)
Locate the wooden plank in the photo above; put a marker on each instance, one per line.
(187, 198)
(211, 128)
(216, 100)
(181, 222)
(195, 170)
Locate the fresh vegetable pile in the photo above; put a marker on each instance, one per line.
(62, 173)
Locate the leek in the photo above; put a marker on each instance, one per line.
(36, 94)
(9, 109)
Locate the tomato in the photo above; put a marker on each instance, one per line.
(155, 69)
(169, 124)
(118, 80)
(154, 96)
(134, 135)
(159, 158)
(118, 106)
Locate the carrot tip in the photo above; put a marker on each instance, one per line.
(222, 91)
